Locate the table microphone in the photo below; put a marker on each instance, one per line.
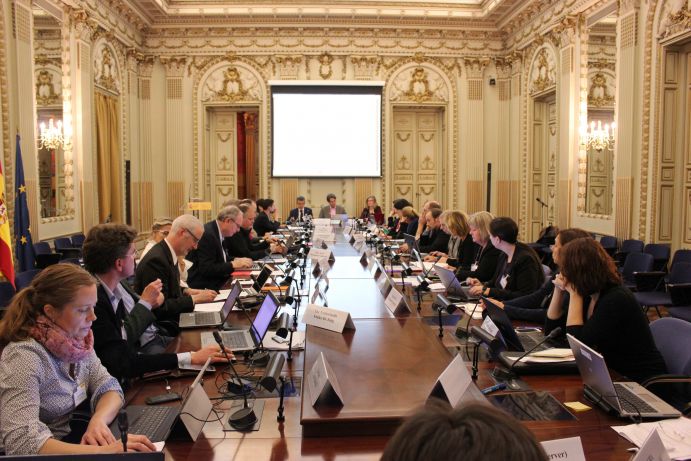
(244, 418)
(123, 426)
(502, 374)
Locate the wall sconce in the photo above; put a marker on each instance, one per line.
(598, 137)
(51, 136)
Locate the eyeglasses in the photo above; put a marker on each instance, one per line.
(133, 255)
(194, 237)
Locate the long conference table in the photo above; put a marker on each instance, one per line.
(386, 369)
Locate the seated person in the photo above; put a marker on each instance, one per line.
(435, 239)
(264, 222)
(48, 368)
(300, 212)
(533, 307)
(331, 210)
(372, 212)
(242, 245)
(160, 263)
(422, 224)
(486, 256)
(125, 329)
(601, 312)
(461, 250)
(518, 270)
(159, 230)
(212, 264)
(394, 221)
(471, 432)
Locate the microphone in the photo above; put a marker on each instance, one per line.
(123, 426)
(260, 356)
(283, 325)
(538, 200)
(491, 341)
(244, 418)
(502, 374)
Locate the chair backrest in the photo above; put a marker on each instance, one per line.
(42, 248)
(608, 242)
(661, 253)
(62, 243)
(23, 279)
(78, 240)
(681, 256)
(637, 262)
(632, 246)
(673, 340)
(6, 293)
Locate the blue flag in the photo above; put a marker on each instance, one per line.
(24, 247)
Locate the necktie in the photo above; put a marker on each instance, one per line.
(121, 313)
(299, 215)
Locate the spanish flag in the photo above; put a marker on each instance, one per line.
(6, 264)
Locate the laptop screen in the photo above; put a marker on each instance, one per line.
(262, 277)
(594, 372)
(503, 323)
(264, 316)
(230, 300)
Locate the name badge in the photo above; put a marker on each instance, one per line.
(473, 267)
(79, 394)
(504, 280)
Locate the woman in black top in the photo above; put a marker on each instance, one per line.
(485, 259)
(518, 271)
(461, 249)
(264, 222)
(602, 313)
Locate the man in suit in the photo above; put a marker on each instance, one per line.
(243, 245)
(436, 239)
(161, 263)
(299, 213)
(128, 338)
(212, 265)
(331, 210)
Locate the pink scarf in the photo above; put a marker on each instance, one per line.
(59, 343)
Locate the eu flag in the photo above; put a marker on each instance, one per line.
(24, 247)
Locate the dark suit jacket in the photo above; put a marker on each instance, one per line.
(120, 356)
(294, 213)
(436, 240)
(210, 270)
(158, 264)
(262, 224)
(241, 245)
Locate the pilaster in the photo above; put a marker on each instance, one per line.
(175, 156)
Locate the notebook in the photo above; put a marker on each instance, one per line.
(158, 422)
(212, 319)
(251, 338)
(623, 398)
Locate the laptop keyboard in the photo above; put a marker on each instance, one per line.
(151, 422)
(235, 340)
(256, 267)
(205, 318)
(630, 402)
(250, 291)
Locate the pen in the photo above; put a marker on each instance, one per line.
(496, 387)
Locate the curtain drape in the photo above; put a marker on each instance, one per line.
(108, 158)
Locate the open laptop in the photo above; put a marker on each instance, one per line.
(513, 340)
(453, 286)
(412, 242)
(211, 319)
(160, 422)
(627, 399)
(258, 282)
(251, 338)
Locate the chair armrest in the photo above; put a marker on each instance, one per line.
(666, 379)
(680, 293)
(649, 281)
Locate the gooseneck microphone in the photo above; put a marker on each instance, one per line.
(244, 418)
(123, 426)
(538, 200)
(502, 374)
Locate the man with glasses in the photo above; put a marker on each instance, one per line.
(129, 338)
(161, 263)
(211, 264)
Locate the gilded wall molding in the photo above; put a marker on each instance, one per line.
(475, 67)
(543, 71)
(676, 20)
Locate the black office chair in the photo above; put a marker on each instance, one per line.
(627, 247)
(78, 240)
(23, 279)
(609, 243)
(635, 262)
(661, 253)
(680, 274)
(64, 245)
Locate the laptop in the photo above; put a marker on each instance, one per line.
(160, 422)
(259, 282)
(250, 339)
(211, 319)
(453, 285)
(412, 242)
(627, 399)
(513, 340)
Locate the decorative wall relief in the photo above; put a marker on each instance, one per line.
(419, 84)
(676, 19)
(106, 73)
(543, 71)
(231, 84)
(365, 67)
(288, 66)
(601, 88)
(48, 86)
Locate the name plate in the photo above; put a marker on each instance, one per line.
(364, 259)
(325, 235)
(570, 449)
(376, 270)
(347, 230)
(327, 318)
(489, 326)
(322, 381)
(321, 222)
(321, 253)
(384, 285)
(453, 382)
(396, 303)
(652, 449)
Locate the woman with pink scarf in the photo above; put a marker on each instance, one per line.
(48, 368)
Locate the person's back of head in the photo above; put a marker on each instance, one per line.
(505, 228)
(401, 203)
(104, 244)
(474, 432)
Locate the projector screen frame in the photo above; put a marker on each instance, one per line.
(312, 85)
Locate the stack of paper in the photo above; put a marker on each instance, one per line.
(675, 435)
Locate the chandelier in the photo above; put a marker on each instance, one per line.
(51, 135)
(598, 137)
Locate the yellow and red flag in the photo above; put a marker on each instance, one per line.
(6, 264)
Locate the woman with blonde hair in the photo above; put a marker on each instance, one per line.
(159, 230)
(461, 248)
(485, 259)
(49, 368)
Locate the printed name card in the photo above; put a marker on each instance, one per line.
(652, 449)
(489, 326)
(453, 382)
(347, 230)
(396, 303)
(316, 270)
(328, 318)
(322, 381)
(384, 285)
(365, 259)
(321, 253)
(323, 234)
(570, 449)
(318, 222)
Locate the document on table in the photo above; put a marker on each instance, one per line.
(675, 435)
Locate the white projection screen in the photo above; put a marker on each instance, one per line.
(326, 130)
